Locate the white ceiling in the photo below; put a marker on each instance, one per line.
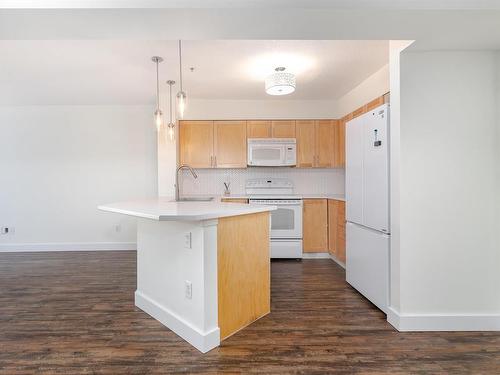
(47, 72)
(335, 4)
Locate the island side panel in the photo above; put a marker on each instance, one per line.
(165, 263)
(244, 275)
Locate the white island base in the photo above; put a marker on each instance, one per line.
(204, 279)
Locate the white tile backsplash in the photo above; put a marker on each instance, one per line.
(306, 181)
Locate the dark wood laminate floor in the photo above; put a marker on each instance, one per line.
(73, 313)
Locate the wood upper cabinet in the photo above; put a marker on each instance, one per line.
(283, 129)
(230, 144)
(375, 103)
(306, 143)
(315, 225)
(259, 129)
(317, 143)
(339, 147)
(359, 111)
(223, 144)
(213, 144)
(326, 143)
(196, 143)
(336, 229)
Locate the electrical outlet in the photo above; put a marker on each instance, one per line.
(187, 240)
(189, 289)
(7, 230)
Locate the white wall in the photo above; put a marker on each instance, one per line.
(273, 108)
(395, 48)
(60, 162)
(449, 186)
(374, 86)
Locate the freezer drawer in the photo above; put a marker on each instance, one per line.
(367, 263)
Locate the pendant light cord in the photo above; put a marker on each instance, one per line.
(157, 87)
(180, 63)
(170, 84)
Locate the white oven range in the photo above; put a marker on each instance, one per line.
(286, 221)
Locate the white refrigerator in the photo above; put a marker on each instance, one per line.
(367, 205)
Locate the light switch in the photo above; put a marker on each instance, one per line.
(187, 240)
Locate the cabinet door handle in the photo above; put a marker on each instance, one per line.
(215, 161)
(211, 161)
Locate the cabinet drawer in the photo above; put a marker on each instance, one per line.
(234, 200)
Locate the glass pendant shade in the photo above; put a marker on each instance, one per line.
(280, 83)
(171, 132)
(181, 104)
(158, 119)
(158, 115)
(171, 125)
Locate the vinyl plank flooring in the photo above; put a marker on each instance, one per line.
(74, 313)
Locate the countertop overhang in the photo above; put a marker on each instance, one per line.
(166, 209)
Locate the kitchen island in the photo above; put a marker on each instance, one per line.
(203, 268)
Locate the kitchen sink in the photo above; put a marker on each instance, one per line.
(196, 199)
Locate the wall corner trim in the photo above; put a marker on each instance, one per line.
(443, 322)
(66, 246)
(203, 341)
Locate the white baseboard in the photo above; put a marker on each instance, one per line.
(322, 256)
(337, 261)
(435, 322)
(201, 341)
(66, 246)
(315, 256)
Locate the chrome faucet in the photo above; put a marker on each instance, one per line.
(183, 166)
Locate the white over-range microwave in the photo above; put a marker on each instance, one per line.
(272, 152)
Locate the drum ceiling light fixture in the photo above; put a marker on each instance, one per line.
(280, 82)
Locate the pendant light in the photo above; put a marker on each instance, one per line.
(158, 113)
(181, 95)
(171, 125)
(280, 82)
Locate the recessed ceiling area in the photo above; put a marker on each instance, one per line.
(86, 72)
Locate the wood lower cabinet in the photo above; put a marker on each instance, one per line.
(259, 129)
(336, 229)
(196, 144)
(283, 128)
(315, 225)
(230, 144)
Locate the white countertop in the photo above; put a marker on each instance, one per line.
(339, 197)
(165, 209)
